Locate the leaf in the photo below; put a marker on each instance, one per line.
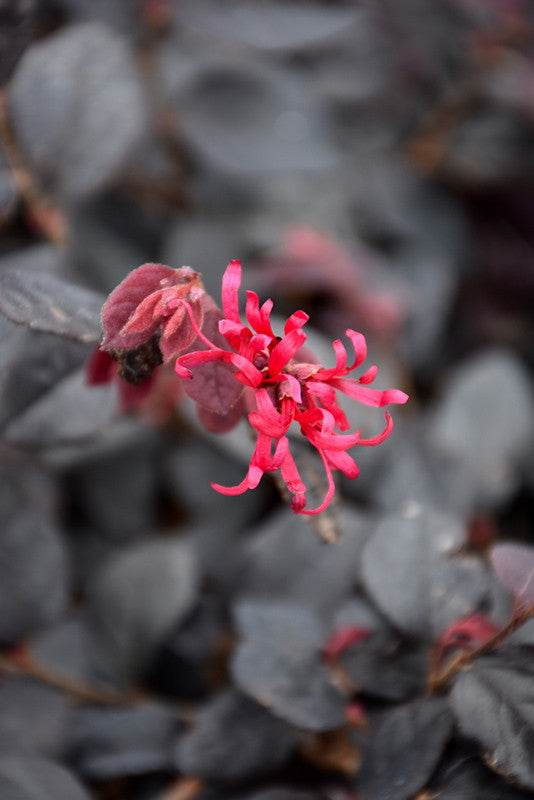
(483, 423)
(514, 566)
(49, 304)
(410, 571)
(271, 25)
(33, 564)
(213, 386)
(247, 118)
(233, 739)
(34, 718)
(71, 411)
(284, 560)
(32, 364)
(124, 301)
(404, 750)
(386, 666)
(134, 602)
(77, 108)
(32, 778)
(494, 704)
(471, 780)
(107, 743)
(278, 663)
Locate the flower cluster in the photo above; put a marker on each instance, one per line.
(288, 388)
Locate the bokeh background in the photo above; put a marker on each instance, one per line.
(369, 162)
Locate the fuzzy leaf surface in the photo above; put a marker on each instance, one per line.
(77, 109)
(234, 738)
(494, 704)
(404, 750)
(278, 663)
(49, 304)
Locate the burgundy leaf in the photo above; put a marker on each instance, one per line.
(514, 565)
(178, 333)
(222, 423)
(213, 385)
(144, 315)
(101, 368)
(124, 300)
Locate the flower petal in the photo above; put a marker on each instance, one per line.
(250, 481)
(295, 321)
(184, 362)
(330, 493)
(284, 350)
(230, 284)
(341, 364)
(369, 397)
(381, 436)
(293, 481)
(342, 461)
(360, 347)
(259, 318)
(369, 375)
(235, 333)
(267, 419)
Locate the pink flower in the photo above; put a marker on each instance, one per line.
(289, 390)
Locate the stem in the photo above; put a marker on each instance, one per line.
(185, 788)
(463, 661)
(26, 666)
(47, 216)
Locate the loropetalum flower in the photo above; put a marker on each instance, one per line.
(288, 389)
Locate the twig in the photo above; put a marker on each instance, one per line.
(464, 660)
(183, 789)
(29, 668)
(23, 664)
(43, 212)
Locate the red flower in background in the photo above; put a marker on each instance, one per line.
(288, 390)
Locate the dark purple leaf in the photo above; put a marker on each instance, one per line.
(233, 739)
(134, 602)
(108, 743)
(283, 560)
(282, 793)
(469, 779)
(411, 572)
(16, 25)
(77, 108)
(34, 718)
(278, 663)
(404, 750)
(33, 567)
(49, 304)
(514, 565)
(272, 25)
(32, 778)
(248, 118)
(71, 411)
(493, 704)
(386, 666)
(32, 364)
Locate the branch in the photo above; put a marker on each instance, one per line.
(42, 211)
(462, 661)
